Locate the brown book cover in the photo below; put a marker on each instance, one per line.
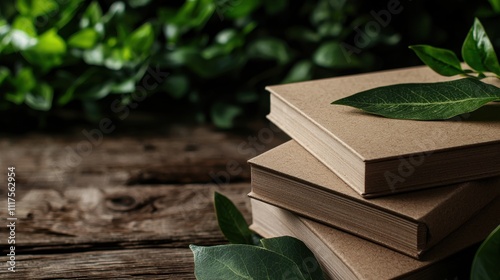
(345, 256)
(291, 178)
(378, 156)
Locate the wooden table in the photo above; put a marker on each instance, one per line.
(124, 204)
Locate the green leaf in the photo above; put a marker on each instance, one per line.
(478, 51)
(237, 9)
(67, 12)
(193, 14)
(238, 261)
(116, 10)
(332, 55)
(495, 4)
(298, 252)
(203, 12)
(227, 36)
(231, 221)
(41, 98)
(223, 114)
(68, 95)
(94, 56)
(430, 101)
(301, 71)
(48, 52)
(96, 92)
(330, 29)
(24, 24)
(179, 56)
(116, 58)
(486, 262)
(443, 61)
(225, 42)
(4, 74)
(35, 8)
(91, 16)
(4, 30)
(23, 82)
(17, 97)
(20, 40)
(270, 48)
(22, 36)
(141, 40)
(84, 39)
(125, 86)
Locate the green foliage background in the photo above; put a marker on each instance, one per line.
(62, 59)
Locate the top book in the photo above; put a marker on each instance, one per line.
(376, 155)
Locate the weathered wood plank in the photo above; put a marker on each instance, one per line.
(124, 205)
(120, 217)
(177, 155)
(151, 263)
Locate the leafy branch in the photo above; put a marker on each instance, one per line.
(248, 257)
(444, 100)
(477, 52)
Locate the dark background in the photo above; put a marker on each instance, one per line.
(219, 55)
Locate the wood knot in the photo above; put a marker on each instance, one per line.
(149, 148)
(121, 203)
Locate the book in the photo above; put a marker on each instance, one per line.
(379, 156)
(345, 256)
(291, 178)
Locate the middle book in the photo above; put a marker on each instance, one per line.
(411, 223)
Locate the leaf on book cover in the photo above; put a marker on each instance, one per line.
(298, 252)
(426, 101)
(443, 61)
(478, 51)
(486, 264)
(231, 222)
(240, 261)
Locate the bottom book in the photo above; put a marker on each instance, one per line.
(345, 256)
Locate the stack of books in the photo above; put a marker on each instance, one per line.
(378, 198)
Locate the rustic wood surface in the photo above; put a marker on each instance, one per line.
(123, 204)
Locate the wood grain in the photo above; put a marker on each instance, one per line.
(107, 264)
(129, 205)
(121, 217)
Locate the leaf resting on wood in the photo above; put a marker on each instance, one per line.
(282, 257)
(231, 221)
(239, 261)
(425, 101)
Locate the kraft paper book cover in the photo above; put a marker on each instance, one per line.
(345, 256)
(379, 156)
(412, 223)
